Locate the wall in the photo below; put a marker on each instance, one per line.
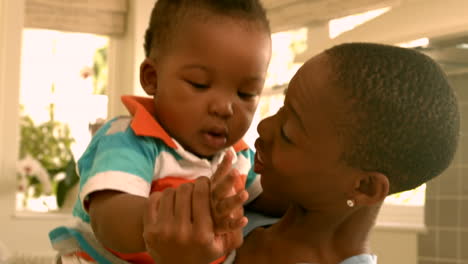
(447, 200)
(394, 246)
(34, 228)
(126, 54)
(36, 240)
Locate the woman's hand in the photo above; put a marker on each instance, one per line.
(179, 228)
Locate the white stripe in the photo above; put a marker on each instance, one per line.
(242, 164)
(192, 167)
(254, 190)
(116, 181)
(167, 165)
(74, 260)
(230, 259)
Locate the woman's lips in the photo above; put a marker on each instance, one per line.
(258, 166)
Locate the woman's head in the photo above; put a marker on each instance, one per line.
(358, 120)
(405, 114)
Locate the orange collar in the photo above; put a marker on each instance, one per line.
(144, 123)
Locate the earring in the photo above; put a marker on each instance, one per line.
(350, 203)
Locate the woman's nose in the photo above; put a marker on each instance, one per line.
(263, 128)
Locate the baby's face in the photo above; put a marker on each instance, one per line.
(209, 83)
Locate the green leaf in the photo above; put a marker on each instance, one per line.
(71, 179)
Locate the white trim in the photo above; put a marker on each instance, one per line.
(11, 25)
(255, 189)
(120, 79)
(118, 181)
(125, 55)
(42, 216)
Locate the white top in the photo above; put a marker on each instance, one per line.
(359, 259)
(258, 220)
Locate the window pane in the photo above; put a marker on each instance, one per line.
(63, 94)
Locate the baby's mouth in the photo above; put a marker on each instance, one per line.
(215, 139)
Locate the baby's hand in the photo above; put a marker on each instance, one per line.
(228, 195)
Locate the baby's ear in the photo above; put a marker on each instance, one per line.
(148, 76)
(371, 188)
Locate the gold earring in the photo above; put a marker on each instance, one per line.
(350, 203)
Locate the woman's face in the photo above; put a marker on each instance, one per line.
(299, 150)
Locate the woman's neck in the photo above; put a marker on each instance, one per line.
(329, 237)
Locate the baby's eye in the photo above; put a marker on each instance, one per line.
(198, 85)
(246, 96)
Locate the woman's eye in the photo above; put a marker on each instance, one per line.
(283, 135)
(198, 85)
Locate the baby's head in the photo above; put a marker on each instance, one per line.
(206, 66)
(403, 115)
(168, 17)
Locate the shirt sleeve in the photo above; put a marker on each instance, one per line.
(118, 160)
(361, 259)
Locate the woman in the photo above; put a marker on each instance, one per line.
(360, 121)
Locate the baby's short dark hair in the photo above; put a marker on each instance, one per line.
(168, 14)
(404, 119)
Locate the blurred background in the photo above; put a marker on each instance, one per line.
(64, 65)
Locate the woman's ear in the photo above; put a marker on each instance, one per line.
(371, 189)
(148, 76)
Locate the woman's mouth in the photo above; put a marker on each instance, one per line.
(258, 166)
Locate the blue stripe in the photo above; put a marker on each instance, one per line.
(62, 233)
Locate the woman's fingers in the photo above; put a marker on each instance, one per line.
(153, 206)
(183, 204)
(201, 206)
(166, 206)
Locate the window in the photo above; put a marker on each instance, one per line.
(286, 45)
(340, 25)
(63, 98)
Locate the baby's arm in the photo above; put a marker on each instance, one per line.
(116, 219)
(116, 172)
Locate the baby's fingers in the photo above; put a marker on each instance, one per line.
(227, 206)
(223, 168)
(225, 188)
(231, 224)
